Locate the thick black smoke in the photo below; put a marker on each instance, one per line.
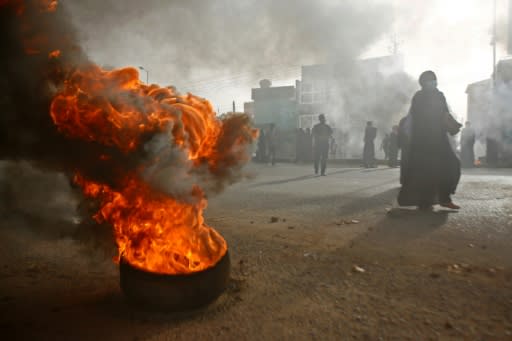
(39, 52)
(30, 79)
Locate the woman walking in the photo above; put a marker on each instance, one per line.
(432, 172)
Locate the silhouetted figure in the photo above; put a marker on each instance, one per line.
(385, 146)
(308, 145)
(321, 135)
(272, 143)
(300, 145)
(393, 147)
(370, 133)
(404, 134)
(467, 144)
(491, 151)
(261, 153)
(433, 169)
(333, 147)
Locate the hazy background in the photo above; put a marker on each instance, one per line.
(220, 49)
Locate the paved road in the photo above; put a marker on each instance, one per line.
(484, 195)
(299, 245)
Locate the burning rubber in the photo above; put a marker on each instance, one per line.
(146, 156)
(164, 292)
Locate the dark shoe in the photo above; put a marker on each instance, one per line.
(450, 205)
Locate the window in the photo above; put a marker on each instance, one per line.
(307, 98)
(313, 92)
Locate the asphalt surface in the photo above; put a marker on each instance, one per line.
(323, 258)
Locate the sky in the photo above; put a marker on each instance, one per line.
(185, 45)
(452, 38)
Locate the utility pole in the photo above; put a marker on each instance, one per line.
(395, 44)
(491, 153)
(509, 27)
(234, 107)
(147, 73)
(494, 45)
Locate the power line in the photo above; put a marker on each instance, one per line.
(240, 75)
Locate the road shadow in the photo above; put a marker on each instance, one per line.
(296, 179)
(382, 199)
(400, 228)
(379, 169)
(284, 181)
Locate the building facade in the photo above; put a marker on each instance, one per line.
(350, 94)
(490, 113)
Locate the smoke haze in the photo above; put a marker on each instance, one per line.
(174, 38)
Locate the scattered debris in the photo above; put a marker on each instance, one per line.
(236, 285)
(435, 275)
(274, 219)
(277, 235)
(455, 268)
(471, 245)
(243, 267)
(291, 227)
(459, 268)
(448, 325)
(358, 269)
(310, 254)
(347, 222)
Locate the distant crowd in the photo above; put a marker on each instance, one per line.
(429, 165)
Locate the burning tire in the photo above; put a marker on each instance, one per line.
(174, 292)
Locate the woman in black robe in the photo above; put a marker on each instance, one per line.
(432, 172)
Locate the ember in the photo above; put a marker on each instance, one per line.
(54, 54)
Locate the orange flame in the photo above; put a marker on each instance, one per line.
(153, 231)
(54, 54)
(49, 5)
(20, 6)
(116, 111)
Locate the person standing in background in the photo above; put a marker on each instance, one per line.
(272, 143)
(404, 137)
(333, 147)
(393, 147)
(384, 146)
(321, 136)
(308, 146)
(467, 144)
(370, 133)
(261, 153)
